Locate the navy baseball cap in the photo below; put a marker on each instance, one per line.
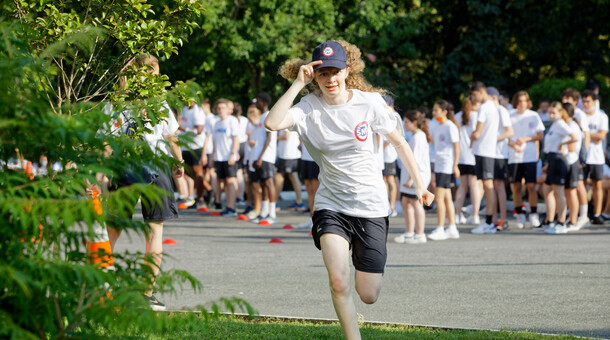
(492, 91)
(331, 53)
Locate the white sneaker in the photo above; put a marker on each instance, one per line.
(473, 220)
(306, 225)
(534, 220)
(402, 238)
(268, 220)
(520, 221)
(557, 229)
(453, 233)
(417, 239)
(438, 234)
(467, 209)
(484, 228)
(583, 222)
(572, 227)
(394, 213)
(460, 219)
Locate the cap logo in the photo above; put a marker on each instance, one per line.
(362, 131)
(327, 52)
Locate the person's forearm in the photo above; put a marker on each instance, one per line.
(174, 148)
(278, 119)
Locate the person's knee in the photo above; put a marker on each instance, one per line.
(339, 284)
(368, 295)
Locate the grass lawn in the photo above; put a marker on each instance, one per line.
(271, 328)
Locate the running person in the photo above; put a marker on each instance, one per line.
(337, 123)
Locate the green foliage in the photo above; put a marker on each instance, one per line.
(48, 288)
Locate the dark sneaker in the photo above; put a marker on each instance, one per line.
(597, 220)
(155, 304)
(218, 206)
(248, 209)
(228, 212)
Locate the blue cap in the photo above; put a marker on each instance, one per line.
(492, 91)
(331, 53)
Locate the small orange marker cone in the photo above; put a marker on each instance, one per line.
(264, 222)
(215, 213)
(276, 240)
(203, 209)
(311, 234)
(170, 241)
(287, 226)
(242, 217)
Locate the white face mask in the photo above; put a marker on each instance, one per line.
(43, 164)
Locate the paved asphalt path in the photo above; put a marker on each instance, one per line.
(517, 279)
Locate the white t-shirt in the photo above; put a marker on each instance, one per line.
(526, 124)
(249, 150)
(432, 124)
(243, 129)
(340, 138)
(210, 122)
(288, 148)
(581, 117)
(419, 145)
(189, 120)
(259, 134)
(389, 152)
(596, 122)
(466, 155)
(572, 156)
(558, 133)
(502, 146)
(443, 136)
(222, 135)
(488, 115)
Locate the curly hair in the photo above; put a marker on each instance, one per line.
(355, 79)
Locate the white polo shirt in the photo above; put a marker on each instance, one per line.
(222, 135)
(419, 145)
(190, 118)
(466, 155)
(596, 122)
(488, 115)
(502, 146)
(340, 138)
(443, 136)
(526, 124)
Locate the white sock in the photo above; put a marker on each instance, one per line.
(440, 228)
(272, 209)
(584, 210)
(452, 226)
(265, 209)
(409, 234)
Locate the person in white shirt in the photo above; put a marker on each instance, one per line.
(598, 128)
(192, 122)
(484, 140)
(288, 155)
(543, 109)
(389, 164)
(446, 139)
(413, 211)
(556, 142)
(225, 136)
(253, 188)
(505, 131)
(243, 139)
(337, 123)
(572, 97)
(523, 156)
(207, 161)
(467, 120)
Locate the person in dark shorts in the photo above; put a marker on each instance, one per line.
(337, 125)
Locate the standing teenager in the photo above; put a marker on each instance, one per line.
(337, 123)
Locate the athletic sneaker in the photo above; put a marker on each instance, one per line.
(417, 239)
(460, 219)
(473, 220)
(217, 206)
(453, 233)
(605, 217)
(270, 220)
(544, 225)
(438, 234)
(557, 229)
(501, 226)
(257, 219)
(155, 304)
(534, 220)
(402, 238)
(228, 212)
(583, 222)
(306, 225)
(297, 207)
(484, 228)
(185, 204)
(394, 213)
(201, 206)
(520, 221)
(572, 227)
(248, 209)
(598, 220)
(252, 215)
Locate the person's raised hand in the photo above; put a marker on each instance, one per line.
(306, 72)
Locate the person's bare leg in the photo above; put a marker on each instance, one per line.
(460, 194)
(572, 201)
(409, 215)
(532, 195)
(500, 187)
(198, 181)
(230, 189)
(476, 195)
(449, 208)
(279, 185)
(154, 248)
(517, 198)
(241, 184)
(560, 198)
(335, 253)
(392, 190)
(420, 215)
(551, 203)
(368, 286)
(598, 197)
(440, 206)
(490, 197)
(296, 184)
(257, 196)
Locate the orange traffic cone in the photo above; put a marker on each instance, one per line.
(99, 247)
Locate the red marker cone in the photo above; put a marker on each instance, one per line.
(170, 241)
(242, 217)
(203, 209)
(287, 226)
(215, 213)
(311, 234)
(276, 240)
(264, 222)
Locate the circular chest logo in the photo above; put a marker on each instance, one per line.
(442, 138)
(327, 52)
(362, 131)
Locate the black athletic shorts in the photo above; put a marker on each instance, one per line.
(389, 169)
(500, 168)
(224, 170)
(519, 171)
(411, 196)
(163, 209)
(594, 171)
(446, 181)
(309, 170)
(575, 174)
(287, 166)
(466, 169)
(367, 237)
(192, 157)
(267, 170)
(557, 170)
(484, 167)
